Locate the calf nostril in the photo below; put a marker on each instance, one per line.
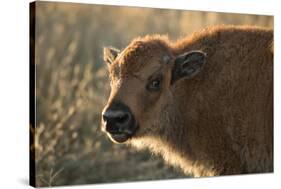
(116, 117)
(122, 118)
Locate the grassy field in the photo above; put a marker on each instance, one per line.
(72, 88)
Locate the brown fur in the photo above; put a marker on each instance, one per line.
(221, 121)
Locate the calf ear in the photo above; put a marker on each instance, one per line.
(187, 65)
(110, 54)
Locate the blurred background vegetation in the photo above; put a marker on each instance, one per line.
(72, 87)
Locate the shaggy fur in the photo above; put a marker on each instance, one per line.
(218, 123)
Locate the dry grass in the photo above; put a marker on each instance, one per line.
(72, 87)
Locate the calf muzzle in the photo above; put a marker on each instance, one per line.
(119, 122)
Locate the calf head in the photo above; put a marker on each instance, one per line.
(141, 78)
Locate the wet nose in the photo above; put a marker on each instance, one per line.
(116, 119)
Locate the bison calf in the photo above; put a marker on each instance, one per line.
(204, 103)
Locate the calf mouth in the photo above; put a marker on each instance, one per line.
(119, 137)
(123, 136)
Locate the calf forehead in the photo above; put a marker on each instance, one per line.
(138, 55)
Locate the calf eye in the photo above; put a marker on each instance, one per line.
(154, 85)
